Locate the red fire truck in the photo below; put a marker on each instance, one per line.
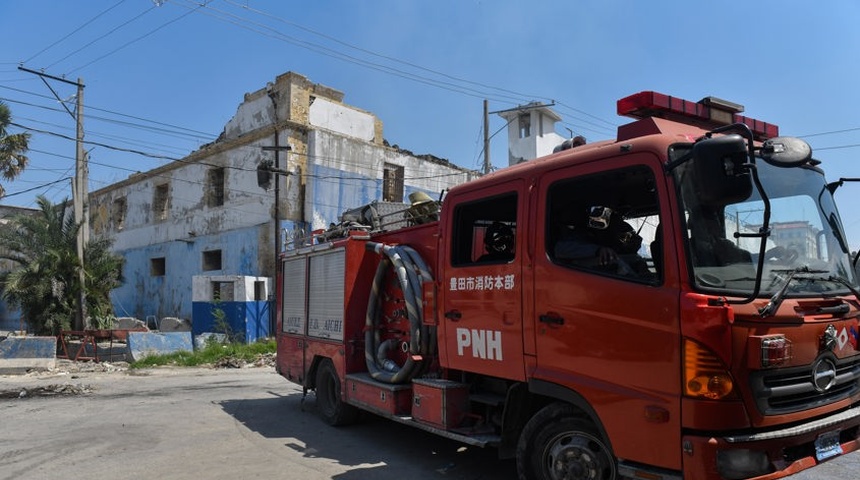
(679, 302)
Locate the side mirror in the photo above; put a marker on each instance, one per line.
(786, 152)
(720, 175)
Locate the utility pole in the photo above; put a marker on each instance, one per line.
(278, 171)
(80, 196)
(486, 138)
(80, 193)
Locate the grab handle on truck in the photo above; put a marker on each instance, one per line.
(552, 319)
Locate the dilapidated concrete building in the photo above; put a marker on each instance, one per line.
(210, 213)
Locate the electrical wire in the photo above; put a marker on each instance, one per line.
(138, 38)
(120, 2)
(35, 188)
(501, 95)
(167, 127)
(101, 37)
(322, 50)
(508, 93)
(375, 54)
(98, 144)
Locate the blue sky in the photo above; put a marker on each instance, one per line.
(164, 79)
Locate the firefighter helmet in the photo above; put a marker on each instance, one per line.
(499, 238)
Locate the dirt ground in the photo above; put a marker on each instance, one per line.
(103, 420)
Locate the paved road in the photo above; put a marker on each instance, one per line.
(225, 424)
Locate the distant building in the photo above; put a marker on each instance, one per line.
(800, 237)
(531, 132)
(210, 213)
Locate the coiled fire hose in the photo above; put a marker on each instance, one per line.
(411, 272)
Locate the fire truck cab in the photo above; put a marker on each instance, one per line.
(676, 303)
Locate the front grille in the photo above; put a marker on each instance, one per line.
(788, 390)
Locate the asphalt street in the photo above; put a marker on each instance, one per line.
(224, 424)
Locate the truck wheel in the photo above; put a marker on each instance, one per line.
(558, 443)
(329, 404)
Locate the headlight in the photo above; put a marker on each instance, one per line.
(704, 373)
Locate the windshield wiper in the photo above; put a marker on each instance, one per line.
(845, 284)
(776, 300)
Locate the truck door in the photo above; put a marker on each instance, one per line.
(606, 300)
(481, 286)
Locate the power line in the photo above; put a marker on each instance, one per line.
(322, 50)
(95, 133)
(103, 36)
(375, 54)
(510, 94)
(230, 167)
(179, 129)
(838, 147)
(834, 132)
(139, 38)
(74, 31)
(457, 84)
(36, 188)
(98, 144)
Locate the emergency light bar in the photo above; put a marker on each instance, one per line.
(710, 112)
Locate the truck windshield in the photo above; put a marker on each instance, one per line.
(806, 240)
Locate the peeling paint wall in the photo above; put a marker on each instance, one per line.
(336, 164)
(347, 173)
(341, 119)
(170, 294)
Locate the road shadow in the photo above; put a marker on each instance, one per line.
(374, 447)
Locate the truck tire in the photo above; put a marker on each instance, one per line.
(330, 407)
(559, 443)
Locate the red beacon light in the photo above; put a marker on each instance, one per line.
(709, 112)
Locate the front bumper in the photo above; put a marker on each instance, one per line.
(771, 454)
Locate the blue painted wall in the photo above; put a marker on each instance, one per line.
(250, 320)
(10, 319)
(335, 191)
(144, 294)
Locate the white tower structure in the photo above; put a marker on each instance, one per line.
(531, 131)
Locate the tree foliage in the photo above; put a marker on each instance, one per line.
(13, 148)
(45, 283)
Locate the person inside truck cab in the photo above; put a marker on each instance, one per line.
(710, 246)
(604, 241)
(498, 243)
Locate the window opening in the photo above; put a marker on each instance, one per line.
(525, 125)
(118, 213)
(259, 291)
(392, 183)
(222, 291)
(157, 266)
(215, 187)
(161, 202)
(212, 260)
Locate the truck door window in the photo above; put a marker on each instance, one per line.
(606, 223)
(485, 231)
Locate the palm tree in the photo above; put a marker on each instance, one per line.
(46, 285)
(12, 148)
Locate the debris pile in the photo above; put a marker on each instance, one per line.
(262, 360)
(47, 391)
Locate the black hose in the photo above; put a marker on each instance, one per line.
(411, 272)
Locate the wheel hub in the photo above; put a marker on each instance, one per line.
(576, 456)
